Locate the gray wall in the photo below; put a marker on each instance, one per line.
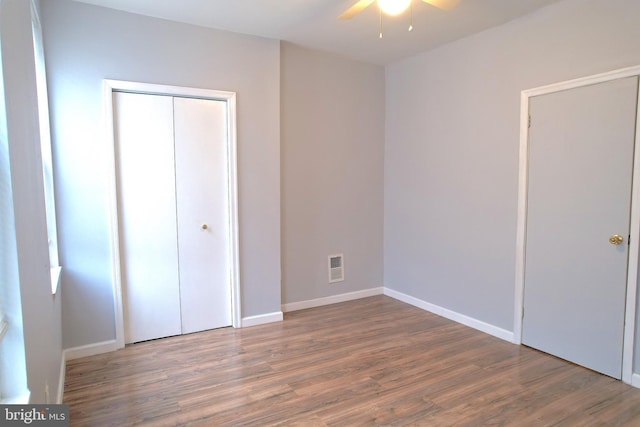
(451, 159)
(85, 44)
(40, 310)
(450, 122)
(332, 172)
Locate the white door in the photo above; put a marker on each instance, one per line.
(174, 214)
(581, 145)
(203, 213)
(147, 215)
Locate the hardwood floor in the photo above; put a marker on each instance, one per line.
(375, 361)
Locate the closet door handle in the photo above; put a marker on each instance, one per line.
(205, 226)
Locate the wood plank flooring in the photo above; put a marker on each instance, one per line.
(370, 362)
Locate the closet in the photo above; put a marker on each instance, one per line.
(173, 213)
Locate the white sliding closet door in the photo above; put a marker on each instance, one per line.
(147, 213)
(203, 212)
(173, 200)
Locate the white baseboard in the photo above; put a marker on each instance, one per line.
(90, 350)
(635, 380)
(333, 299)
(452, 315)
(261, 319)
(63, 372)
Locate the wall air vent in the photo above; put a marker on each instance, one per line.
(336, 268)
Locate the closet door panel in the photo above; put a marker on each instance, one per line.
(147, 215)
(203, 212)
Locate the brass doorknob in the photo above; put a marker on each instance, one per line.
(616, 239)
(205, 226)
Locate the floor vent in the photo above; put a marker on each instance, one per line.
(336, 268)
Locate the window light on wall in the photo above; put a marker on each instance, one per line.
(45, 147)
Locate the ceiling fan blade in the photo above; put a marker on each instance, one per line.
(443, 4)
(356, 9)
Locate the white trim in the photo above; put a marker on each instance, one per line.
(262, 319)
(114, 226)
(634, 246)
(635, 380)
(109, 86)
(90, 350)
(452, 315)
(521, 223)
(333, 299)
(63, 372)
(628, 345)
(234, 223)
(56, 272)
(584, 81)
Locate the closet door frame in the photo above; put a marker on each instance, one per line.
(111, 86)
(634, 244)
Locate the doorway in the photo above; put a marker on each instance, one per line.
(572, 297)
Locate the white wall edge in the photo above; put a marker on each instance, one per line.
(452, 315)
(63, 372)
(262, 319)
(333, 299)
(90, 350)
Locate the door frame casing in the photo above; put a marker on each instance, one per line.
(110, 86)
(634, 231)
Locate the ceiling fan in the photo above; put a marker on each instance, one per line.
(394, 7)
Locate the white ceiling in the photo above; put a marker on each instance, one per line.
(313, 23)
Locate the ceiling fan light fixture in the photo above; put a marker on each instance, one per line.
(394, 7)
